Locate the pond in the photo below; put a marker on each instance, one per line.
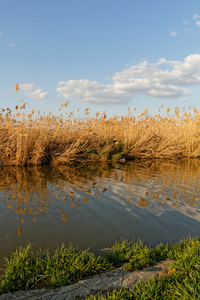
(94, 205)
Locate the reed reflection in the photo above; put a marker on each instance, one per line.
(33, 190)
(154, 186)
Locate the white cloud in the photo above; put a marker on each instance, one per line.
(197, 23)
(163, 79)
(12, 45)
(183, 99)
(90, 91)
(32, 91)
(1, 33)
(196, 16)
(186, 22)
(173, 33)
(27, 86)
(188, 29)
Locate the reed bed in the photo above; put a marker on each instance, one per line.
(30, 139)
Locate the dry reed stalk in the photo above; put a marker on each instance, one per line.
(50, 139)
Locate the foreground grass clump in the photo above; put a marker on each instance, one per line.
(27, 139)
(27, 269)
(66, 265)
(136, 255)
(181, 282)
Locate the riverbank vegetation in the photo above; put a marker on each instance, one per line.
(27, 269)
(181, 281)
(27, 139)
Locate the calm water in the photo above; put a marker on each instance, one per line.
(93, 206)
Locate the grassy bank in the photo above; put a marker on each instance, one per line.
(181, 282)
(28, 269)
(37, 139)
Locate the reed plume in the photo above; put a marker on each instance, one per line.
(28, 139)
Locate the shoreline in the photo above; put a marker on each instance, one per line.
(67, 265)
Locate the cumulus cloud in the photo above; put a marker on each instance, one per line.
(173, 33)
(183, 99)
(26, 87)
(196, 16)
(163, 79)
(32, 91)
(198, 23)
(90, 91)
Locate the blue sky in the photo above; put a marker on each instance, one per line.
(102, 54)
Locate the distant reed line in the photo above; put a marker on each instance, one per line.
(30, 139)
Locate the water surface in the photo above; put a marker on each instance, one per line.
(94, 205)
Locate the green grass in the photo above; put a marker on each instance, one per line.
(135, 255)
(26, 269)
(182, 282)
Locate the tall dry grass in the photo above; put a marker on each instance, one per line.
(37, 139)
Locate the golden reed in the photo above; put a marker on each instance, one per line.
(27, 139)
